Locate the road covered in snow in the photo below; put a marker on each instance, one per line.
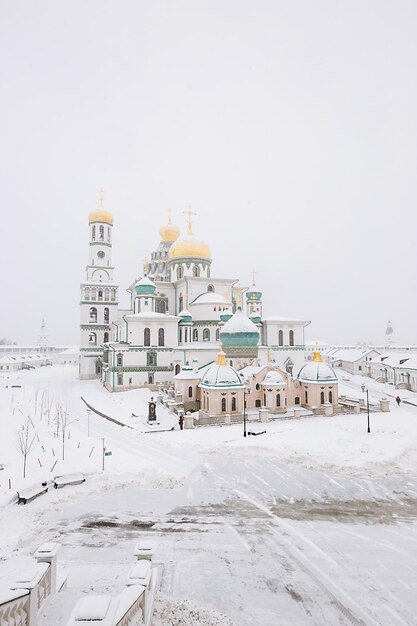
(312, 523)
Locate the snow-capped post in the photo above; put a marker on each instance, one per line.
(151, 410)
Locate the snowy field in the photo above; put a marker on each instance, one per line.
(312, 523)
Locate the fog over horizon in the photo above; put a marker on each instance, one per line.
(289, 127)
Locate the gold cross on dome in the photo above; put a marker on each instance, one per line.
(189, 213)
(101, 198)
(145, 265)
(253, 278)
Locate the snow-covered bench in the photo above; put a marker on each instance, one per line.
(144, 550)
(68, 479)
(30, 493)
(256, 432)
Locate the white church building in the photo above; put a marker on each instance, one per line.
(180, 315)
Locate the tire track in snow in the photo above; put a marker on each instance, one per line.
(326, 584)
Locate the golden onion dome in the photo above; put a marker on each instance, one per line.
(169, 232)
(189, 247)
(100, 215)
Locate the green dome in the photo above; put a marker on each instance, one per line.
(239, 331)
(145, 287)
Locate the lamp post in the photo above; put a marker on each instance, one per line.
(244, 411)
(88, 420)
(367, 404)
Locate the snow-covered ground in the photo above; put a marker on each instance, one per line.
(311, 523)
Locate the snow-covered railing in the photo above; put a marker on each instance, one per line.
(14, 607)
(131, 608)
(32, 588)
(37, 580)
(107, 417)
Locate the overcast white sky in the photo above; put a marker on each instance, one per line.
(289, 126)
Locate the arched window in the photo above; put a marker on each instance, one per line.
(206, 334)
(106, 337)
(177, 369)
(306, 397)
(223, 405)
(233, 404)
(100, 294)
(322, 397)
(106, 315)
(217, 334)
(108, 233)
(257, 403)
(93, 314)
(120, 359)
(196, 271)
(146, 337)
(195, 334)
(87, 293)
(120, 379)
(280, 338)
(180, 335)
(330, 396)
(107, 295)
(264, 399)
(92, 339)
(93, 233)
(210, 288)
(180, 272)
(113, 295)
(94, 293)
(186, 335)
(161, 337)
(278, 400)
(181, 302)
(190, 392)
(297, 400)
(291, 337)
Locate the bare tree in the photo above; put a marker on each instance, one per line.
(25, 442)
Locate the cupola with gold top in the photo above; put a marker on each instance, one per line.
(221, 375)
(169, 232)
(100, 215)
(189, 256)
(316, 371)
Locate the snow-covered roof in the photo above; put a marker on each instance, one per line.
(273, 378)
(149, 315)
(23, 358)
(250, 370)
(239, 323)
(184, 313)
(317, 371)
(351, 355)
(284, 320)
(146, 281)
(209, 297)
(187, 373)
(221, 376)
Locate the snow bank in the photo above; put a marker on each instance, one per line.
(185, 613)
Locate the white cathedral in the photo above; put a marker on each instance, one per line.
(180, 316)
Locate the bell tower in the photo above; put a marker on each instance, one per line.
(99, 294)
